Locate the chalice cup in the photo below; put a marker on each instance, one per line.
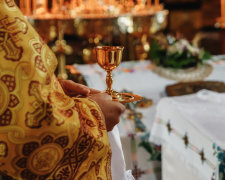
(108, 58)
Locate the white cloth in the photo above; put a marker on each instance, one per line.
(142, 81)
(136, 77)
(201, 117)
(118, 163)
(174, 168)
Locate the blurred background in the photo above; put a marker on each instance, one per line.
(84, 24)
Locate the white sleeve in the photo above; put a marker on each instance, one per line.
(118, 165)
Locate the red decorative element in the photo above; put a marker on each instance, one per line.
(37, 47)
(39, 64)
(90, 123)
(101, 124)
(9, 82)
(10, 3)
(67, 113)
(48, 80)
(100, 146)
(202, 155)
(5, 118)
(97, 167)
(14, 101)
(33, 88)
(137, 173)
(96, 114)
(108, 166)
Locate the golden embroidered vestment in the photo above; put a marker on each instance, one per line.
(44, 134)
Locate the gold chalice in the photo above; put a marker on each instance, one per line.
(109, 57)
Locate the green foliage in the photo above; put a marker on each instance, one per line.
(178, 54)
(155, 154)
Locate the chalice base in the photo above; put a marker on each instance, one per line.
(125, 97)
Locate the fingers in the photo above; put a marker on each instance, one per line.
(73, 89)
(101, 98)
(120, 108)
(94, 91)
(112, 110)
(78, 89)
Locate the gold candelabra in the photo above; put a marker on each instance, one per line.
(87, 8)
(103, 12)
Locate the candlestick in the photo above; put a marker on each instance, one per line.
(28, 7)
(74, 3)
(149, 3)
(61, 4)
(22, 6)
(223, 9)
(34, 6)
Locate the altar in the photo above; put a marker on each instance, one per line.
(190, 130)
(138, 77)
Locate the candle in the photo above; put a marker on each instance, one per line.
(34, 6)
(223, 9)
(156, 2)
(45, 4)
(80, 2)
(28, 7)
(22, 6)
(54, 6)
(149, 3)
(74, 3)
(61, 3)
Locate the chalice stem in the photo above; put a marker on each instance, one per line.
(109, 82)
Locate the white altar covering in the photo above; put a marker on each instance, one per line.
(136, 76)
(198, 120)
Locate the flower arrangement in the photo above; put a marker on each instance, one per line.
(178, 53)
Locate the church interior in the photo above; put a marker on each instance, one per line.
(163, 60)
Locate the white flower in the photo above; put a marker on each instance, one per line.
(181, 45)
(193, 50)
(172, 49)
(177, 47)
(184, 42)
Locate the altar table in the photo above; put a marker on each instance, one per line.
(189, 128)
(136, 76)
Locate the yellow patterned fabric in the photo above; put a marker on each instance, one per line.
(44, 134)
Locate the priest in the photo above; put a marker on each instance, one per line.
(44, 132)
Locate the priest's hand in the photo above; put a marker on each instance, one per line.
(73, 89)
(112, 110)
